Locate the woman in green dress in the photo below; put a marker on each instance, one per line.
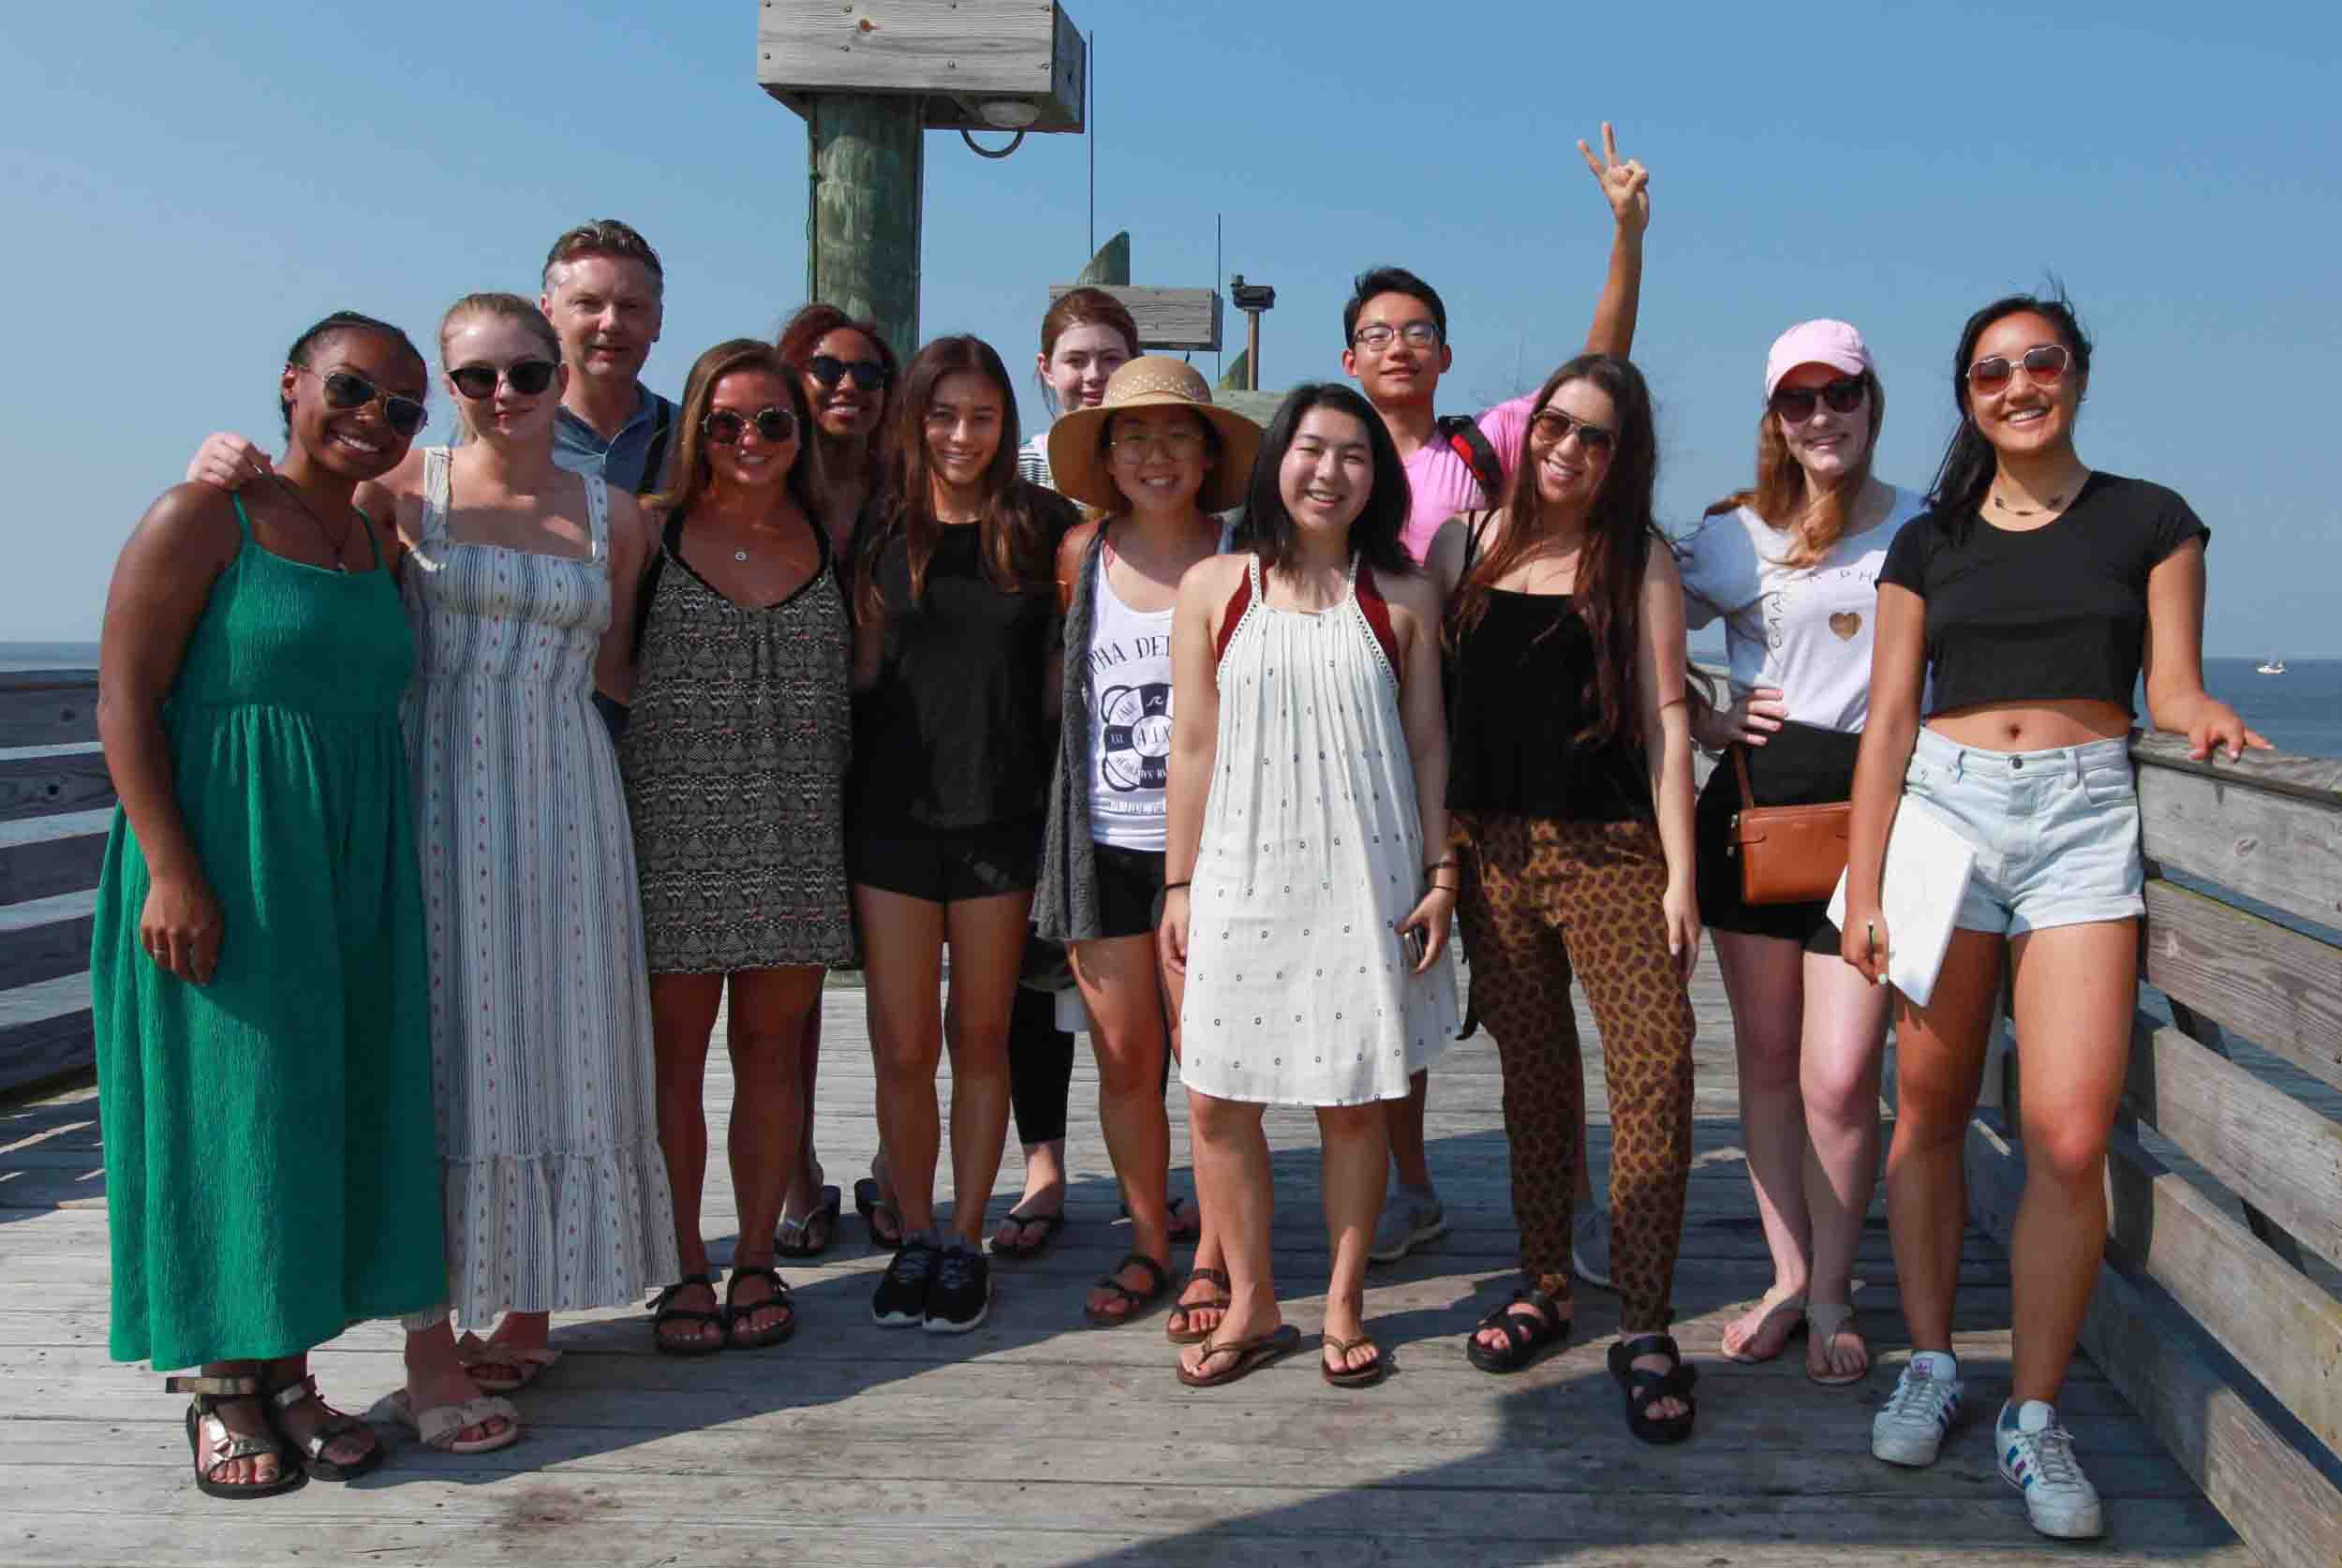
(258, 970)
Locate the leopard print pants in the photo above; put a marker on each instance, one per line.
(1542, 897)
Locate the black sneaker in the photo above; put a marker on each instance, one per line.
(901, 1298)
(961, 1292)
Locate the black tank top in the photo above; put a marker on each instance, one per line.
(1519, 702)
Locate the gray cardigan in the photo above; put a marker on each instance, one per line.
(1065, 898)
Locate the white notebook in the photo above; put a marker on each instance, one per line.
(1925, 877)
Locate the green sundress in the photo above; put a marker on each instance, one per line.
(270, 1176)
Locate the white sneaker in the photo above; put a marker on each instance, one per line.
(1589, 1243)
(1909, 1429)
(2037, 1457)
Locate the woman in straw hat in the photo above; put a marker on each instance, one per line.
(1157, 459)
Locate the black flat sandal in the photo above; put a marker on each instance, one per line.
(1133, 1302)
(1645, 1388)
(210, 1444)
(735, 1313)
(1525, 1339)
(335, 1424)
(663, 1313)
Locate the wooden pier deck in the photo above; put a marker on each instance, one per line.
(1038, 1441)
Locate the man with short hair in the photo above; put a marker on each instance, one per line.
(1394, 331)
(605, 294)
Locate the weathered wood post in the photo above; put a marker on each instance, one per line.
(869, 76)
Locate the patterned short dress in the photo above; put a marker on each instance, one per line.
(556, 1194)
(735, 756)
(1298, 992)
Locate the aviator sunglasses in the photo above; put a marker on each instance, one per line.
(1796, 404)
(525, 377)
(724, 427)
(1548, 426)
(346, 390)
(2044, 364)
(828, 369)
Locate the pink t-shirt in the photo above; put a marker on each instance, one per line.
(1442, 481)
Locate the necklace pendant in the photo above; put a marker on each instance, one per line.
(739, 554)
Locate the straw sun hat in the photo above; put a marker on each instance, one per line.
(1077, 459)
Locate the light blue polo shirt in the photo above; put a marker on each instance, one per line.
(578, 447)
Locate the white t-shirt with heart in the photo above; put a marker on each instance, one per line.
(1806, 630)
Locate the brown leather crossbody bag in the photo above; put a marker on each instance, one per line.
(1789, 855)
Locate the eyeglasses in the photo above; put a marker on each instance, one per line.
(828, 370)
(525, 377)
(2044, 364)
(724, 427)
(1548, 426)
(1419, 335)
(1842, 396)
(346, 390)
(1176, 443)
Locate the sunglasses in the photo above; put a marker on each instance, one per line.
(828, 370)
(2044, 364)
(525, 377)
(1842, 396)
(346, 390)
(724, 427)
(1548, 427)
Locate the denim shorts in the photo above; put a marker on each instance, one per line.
(2055, 832)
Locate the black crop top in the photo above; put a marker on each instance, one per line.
(2055, 614)
(1518, 704)
(956, 732)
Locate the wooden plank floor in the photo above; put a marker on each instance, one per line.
(1036, 1441)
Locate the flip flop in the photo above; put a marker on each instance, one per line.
(1219, 1303)
(795, 1238)
(1778, 1305)
(867, 1204)
(1133, 1302)
(521, 1368)
(1050, 1224)
(1825, 1320)
(1352, 1377)
(1250, 1356)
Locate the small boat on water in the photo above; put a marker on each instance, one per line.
(2274, 667)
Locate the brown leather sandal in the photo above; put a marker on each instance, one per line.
(1175, 1327)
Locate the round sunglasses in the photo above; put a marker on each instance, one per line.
(724, 427)
(346, 390)
(2044, 364)
(1548, 426)
(1796, 404)
(828, 370)
(525, 377)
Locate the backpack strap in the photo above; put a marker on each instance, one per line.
(655, 455)
(1072, 550)
(1467, 441)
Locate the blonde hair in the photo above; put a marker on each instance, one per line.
(501, 307)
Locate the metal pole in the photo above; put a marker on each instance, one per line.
(862, 215)
(1090, 130)
(1251, 349)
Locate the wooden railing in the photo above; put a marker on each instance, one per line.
(55, 802)
(2213, 1313)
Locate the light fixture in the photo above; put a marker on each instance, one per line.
(1009, 114)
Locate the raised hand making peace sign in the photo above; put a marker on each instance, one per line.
(1625, 185)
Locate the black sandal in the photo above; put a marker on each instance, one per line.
(664, 1312)
(735, 1313)
(1645, 1388)
(1050, 1224)
(335, 1424)
(1525, 1339)
(1134, 1302)
(869, 1205)
(210, 1444)
(1219, 1303)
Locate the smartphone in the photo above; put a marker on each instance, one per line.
(1410, 943)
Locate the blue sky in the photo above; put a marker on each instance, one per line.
(191, 183)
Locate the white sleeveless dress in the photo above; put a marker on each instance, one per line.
(541, 1047)
(1298, 992)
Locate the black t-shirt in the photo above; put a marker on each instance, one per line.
(2055, 614)
(955, 733)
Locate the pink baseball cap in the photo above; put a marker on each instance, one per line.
(1836, 344)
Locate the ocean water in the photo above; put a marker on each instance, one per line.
(2299, 711)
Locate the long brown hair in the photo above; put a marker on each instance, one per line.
(1014, 548)
(803, 331)
(699, 389)
(1620, 531)
(1781, 496)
